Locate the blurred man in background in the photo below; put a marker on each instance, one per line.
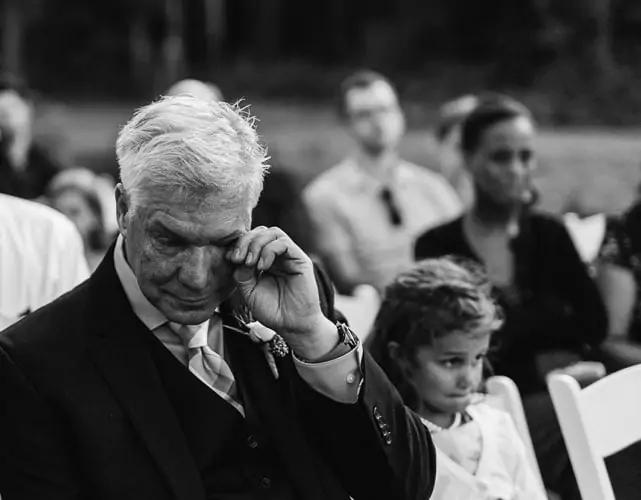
(447, 136)
(25, 168)
(367, 210)
(41, 257)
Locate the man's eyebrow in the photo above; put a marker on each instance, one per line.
(157, 225)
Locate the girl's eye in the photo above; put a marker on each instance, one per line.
(481, 357)
(452, 362)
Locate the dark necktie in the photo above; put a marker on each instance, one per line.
(392, 208)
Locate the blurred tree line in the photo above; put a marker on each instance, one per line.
(130, 48)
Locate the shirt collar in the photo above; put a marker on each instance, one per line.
(151, 317)
(400, 176)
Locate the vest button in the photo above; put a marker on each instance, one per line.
(265, 483)
(252, 443)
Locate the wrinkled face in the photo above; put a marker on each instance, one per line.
(374, 117)
(176, 248)
(75, 206)
(503, 163)
(447, 373)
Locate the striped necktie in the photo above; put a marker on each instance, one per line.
(207, 364)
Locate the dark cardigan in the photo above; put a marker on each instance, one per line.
(559, 306)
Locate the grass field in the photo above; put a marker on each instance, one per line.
(594, 170)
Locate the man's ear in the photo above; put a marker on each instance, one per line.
(123, 207)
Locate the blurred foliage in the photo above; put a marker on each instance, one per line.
(573, 61)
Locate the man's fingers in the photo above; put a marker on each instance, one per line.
(238, 254)
(272, 250)
(248, 246)
(256, 245)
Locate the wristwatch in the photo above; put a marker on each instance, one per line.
(346, 335)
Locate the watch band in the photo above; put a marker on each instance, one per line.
(346, 335)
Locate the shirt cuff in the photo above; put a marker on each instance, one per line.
(339, 379)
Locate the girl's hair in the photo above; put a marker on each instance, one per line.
(491, 110)
(432, 299)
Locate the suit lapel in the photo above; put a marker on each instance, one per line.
(271, 402)
(119, 348)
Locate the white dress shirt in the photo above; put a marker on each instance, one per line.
(338, 379)
(41, 257)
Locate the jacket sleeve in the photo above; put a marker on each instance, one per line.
(377, 447)
(34, 463)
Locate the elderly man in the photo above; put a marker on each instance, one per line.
(161, 377)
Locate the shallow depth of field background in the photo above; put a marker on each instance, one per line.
(576, 65)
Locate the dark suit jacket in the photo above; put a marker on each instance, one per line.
(84, 415)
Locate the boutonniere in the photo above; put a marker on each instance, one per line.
(270, 342)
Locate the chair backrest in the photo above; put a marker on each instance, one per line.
(505, 395)
(359, 309)
(597, 422)
(587, 234)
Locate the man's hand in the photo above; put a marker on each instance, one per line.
(276, 280)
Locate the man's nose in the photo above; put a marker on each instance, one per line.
(195, 269)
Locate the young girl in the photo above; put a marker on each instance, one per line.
(431, 337)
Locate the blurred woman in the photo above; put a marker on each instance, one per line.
(87, 199)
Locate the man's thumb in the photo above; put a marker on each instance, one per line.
(245, 278)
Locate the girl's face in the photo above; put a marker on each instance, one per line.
(447, 373)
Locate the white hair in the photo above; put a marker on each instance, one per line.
(187, 146)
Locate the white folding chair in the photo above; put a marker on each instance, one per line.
(597, 422)
(505, 395)
(586, 233)
(359, 309)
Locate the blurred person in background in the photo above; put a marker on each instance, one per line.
(554, 316)
(619, 280)
(195, 88)
(25, 168)
(447, 136)
(41, 257)
(88, 200)
(367, 210)
(280, 203)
